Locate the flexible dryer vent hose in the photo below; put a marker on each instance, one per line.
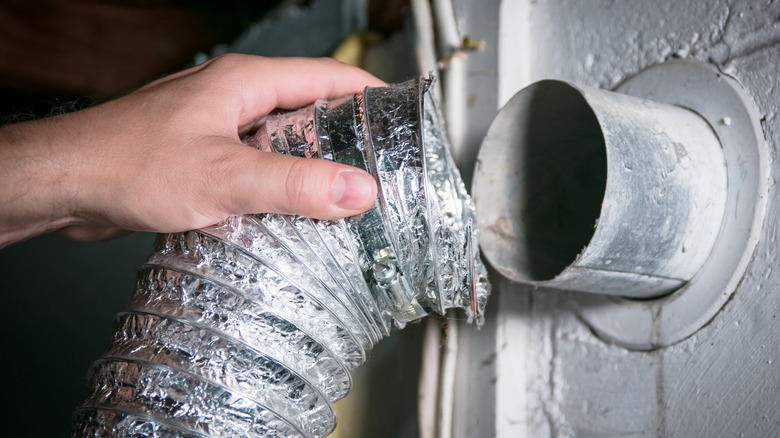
(250, 327)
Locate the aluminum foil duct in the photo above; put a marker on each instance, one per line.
(250, 327)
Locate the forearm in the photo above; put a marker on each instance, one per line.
(36, 178)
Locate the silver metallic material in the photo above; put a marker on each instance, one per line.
(595, 191)
(730, 112)
(250, 327)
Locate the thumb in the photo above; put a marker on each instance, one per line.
(276, 183)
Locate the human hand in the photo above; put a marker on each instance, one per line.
(168, 157)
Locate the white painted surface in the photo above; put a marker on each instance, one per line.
(514, 48)
(542, 371)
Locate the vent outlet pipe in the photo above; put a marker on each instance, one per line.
(251, 327)
(596, 191)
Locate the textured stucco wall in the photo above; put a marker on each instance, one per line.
(724, 380)
(546, 373)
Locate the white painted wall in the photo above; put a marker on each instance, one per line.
(536, 369)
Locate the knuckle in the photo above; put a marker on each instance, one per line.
(227, 66)
(227, 61)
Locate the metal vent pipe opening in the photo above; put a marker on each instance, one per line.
(595, 191)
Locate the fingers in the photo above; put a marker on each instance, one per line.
(289, 185)
(287, 83)
(264, 182)
(299, 81)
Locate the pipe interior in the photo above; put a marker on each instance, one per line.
(563, 178)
